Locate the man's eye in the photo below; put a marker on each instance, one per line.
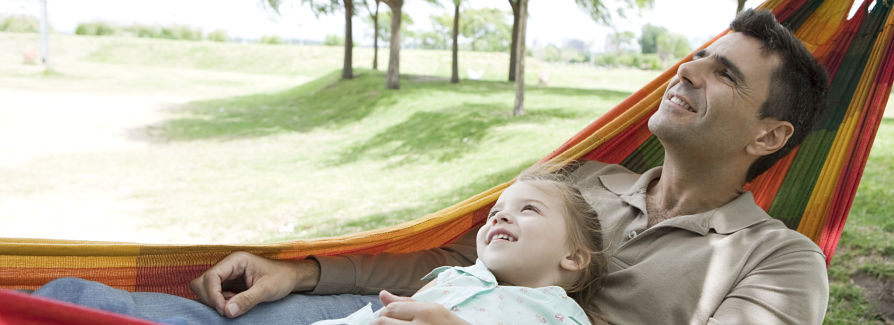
(726, 75)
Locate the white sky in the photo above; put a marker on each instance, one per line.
(550, 21)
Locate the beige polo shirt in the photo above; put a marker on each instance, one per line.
(731, 265)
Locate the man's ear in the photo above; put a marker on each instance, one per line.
(575, 261)
(772, 136)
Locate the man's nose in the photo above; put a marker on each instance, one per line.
(692, 73)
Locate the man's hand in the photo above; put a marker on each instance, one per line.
(265, 280)
(405, 310)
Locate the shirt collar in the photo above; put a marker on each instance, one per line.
(733, 216)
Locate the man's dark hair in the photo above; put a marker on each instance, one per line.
(798, 87)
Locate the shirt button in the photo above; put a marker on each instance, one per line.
(631, 234)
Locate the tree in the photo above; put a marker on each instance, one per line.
(520, 63)
(513, 45)
(392, 79)
(325, 7)
(487, 28)
(439, 37)
(648, 40)
(670, 45)
(454, 67)
(385, 29)
(596, 9)
(374, 16)
(741, 5)
(621, 41)
(393, 76)
(601, 14)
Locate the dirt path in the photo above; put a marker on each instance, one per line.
(35, 125)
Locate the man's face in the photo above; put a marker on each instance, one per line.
(711, 107)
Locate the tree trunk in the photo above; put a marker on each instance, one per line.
(376, 38)
(520, 64)
(393, 78)
(454, 75)
(514, 44)
(347, 71)
(740, 7)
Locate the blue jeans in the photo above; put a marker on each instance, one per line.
(164, 308)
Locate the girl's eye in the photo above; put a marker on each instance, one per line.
(492, 213)
(529, 207)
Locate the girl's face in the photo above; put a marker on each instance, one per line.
(524, 240)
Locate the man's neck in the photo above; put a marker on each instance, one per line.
(691, 189)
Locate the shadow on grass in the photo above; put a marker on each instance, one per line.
(325, 102)
(441, 135)
(329, 102)
(396, 216)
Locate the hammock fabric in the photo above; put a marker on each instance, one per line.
(22, 309)
(811, 190)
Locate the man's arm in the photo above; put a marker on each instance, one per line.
(398, 273)
(790, 288)
(269, 280)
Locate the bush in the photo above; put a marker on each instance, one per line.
(332, 40)
(218, 36)
(98, 28)
(181, 33)
(20, 24)
(606, 60)
(271, 39)
(629, 59)
(146, 31)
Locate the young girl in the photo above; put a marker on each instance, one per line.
(540, 240)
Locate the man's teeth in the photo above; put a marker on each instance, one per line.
(504, 236)
(678, 101)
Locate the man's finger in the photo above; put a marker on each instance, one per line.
(243, 301)
(212, 292)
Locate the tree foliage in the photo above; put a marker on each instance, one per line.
(602, 15)
(648, 40)
(485, 29)
(658, 40)
(319, 7)
(385, 25)
(621, 41)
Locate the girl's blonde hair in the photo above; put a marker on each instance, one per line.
(584, 233)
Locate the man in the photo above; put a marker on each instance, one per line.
(686, 244)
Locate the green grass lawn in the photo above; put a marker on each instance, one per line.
(276, 147)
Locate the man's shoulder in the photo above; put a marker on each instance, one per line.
(598, 168)
(774, 234)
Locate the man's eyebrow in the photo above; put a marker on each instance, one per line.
(724, 61)
(737, 74)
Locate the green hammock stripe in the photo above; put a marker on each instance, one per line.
(801, 15)
(649, 154)
(794, 193)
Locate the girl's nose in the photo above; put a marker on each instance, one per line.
(501, 217)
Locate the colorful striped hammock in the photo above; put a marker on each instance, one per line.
(811, 190)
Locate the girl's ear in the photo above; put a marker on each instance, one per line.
(576, 260)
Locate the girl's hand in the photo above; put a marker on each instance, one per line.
(405, 310)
